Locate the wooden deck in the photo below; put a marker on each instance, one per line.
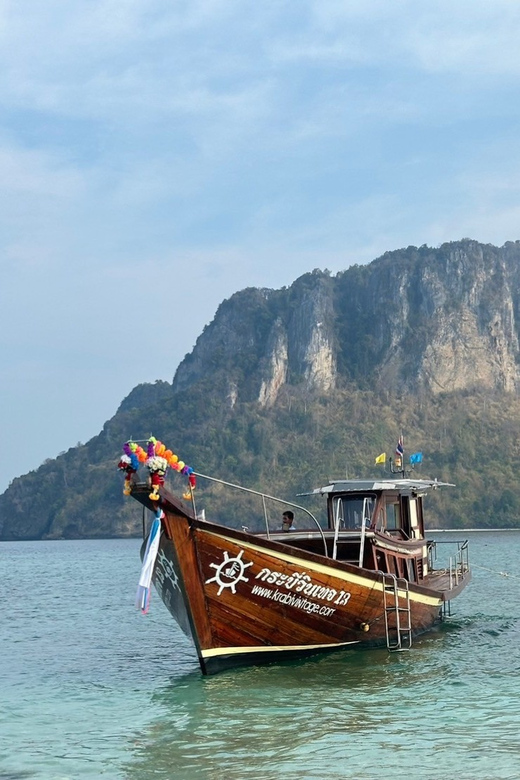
(442, 583)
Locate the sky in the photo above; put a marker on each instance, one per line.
(157, 156)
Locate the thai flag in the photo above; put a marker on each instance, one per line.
(399, 450)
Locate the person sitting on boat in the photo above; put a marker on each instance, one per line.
(287, 521)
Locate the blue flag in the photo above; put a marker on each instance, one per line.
(416, 457)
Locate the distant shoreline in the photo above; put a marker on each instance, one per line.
(466, 530)
(139, 537)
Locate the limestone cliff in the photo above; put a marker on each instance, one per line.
(435, 320)
(263, 339)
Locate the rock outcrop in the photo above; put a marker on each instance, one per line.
(435, 320)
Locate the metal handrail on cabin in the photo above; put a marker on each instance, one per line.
(271, 498)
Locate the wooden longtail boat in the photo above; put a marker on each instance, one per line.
(367, 577)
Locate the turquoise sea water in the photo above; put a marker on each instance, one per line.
(90, 688)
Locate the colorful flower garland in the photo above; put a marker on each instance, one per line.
(157, 459)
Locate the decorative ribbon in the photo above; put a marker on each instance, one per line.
(142, 599)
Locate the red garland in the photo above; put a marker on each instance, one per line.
(157, 479)
(129, 470)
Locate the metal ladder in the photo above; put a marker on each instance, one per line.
(398, 637)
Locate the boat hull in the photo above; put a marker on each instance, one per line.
(245, 600)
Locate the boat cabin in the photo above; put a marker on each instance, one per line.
(387, 507)
(373, 524)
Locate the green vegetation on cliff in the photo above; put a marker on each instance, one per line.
(469, 438)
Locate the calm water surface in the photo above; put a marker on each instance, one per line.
(90, 688)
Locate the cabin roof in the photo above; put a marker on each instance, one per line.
(379, 485)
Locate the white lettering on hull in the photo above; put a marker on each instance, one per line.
(231, 571)
(292, 600)
(300, 582)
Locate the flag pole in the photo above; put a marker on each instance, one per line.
(397, 466)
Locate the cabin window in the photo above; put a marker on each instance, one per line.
(410, 570)
(393, 517)
(379, 517)
(392, 565)
(414, 519)
(348, 512)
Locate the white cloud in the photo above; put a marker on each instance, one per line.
(166, 153)
(37, 173)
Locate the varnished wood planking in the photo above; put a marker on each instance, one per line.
(198, 546)
(218, 569)
(180, 533)
(244, 618)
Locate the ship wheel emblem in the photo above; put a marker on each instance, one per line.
(229, 572)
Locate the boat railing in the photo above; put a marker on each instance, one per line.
(454, 560)
(266, 497)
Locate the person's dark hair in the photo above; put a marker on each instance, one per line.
(288, 514)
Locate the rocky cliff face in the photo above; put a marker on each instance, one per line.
(264, 339)
(461, 302)
(435, 320)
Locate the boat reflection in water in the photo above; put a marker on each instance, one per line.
(319, 717)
